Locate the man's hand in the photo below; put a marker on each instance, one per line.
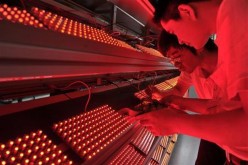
(173, 101)
(153, 92)
(161, 122)
(128, 112)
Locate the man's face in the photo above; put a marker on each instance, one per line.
(183, 59)
(189, 29)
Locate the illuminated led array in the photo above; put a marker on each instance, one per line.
(128, 155)
(164, 141)
(34, 148)
(144, 140)
(168, 84)
(174, 137)
(59, 24)
(141, 95)
(166, 159)
(172, 82)
(170, 147)
(158, 153)
(15, 15)
(90, 132)
(67, 26)
(150, 51)
(152, 162)
(165, 86)
(125, 45)
(64, 25)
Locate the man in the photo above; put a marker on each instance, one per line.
(193, 21)
(197, 70)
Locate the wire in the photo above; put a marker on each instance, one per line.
(139, 76)
(154, 78)
(78, 82)
(148, 42)
(137, 88)
(131, 83)
(111, 82)
(150, 38)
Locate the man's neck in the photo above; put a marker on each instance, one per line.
(208, 63)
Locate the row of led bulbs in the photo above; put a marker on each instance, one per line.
(164, 146)
(34, 148)
(157, 155)
(150, 51)
(87, 134)
(16, 15)
(153, 162)
(168, 84)
(128, 155)
(143, 141)
(62, 24)
(57, 23)
(164, 141)
(91, 132)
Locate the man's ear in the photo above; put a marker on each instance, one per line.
(186, 11)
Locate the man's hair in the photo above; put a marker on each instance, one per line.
(168, 9)
(167, 40)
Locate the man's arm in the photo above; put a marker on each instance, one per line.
(223, 128)
(227, 128)
(202, 106)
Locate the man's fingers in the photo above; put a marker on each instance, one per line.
(132, 119)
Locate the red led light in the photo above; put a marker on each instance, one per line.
(37, 147)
